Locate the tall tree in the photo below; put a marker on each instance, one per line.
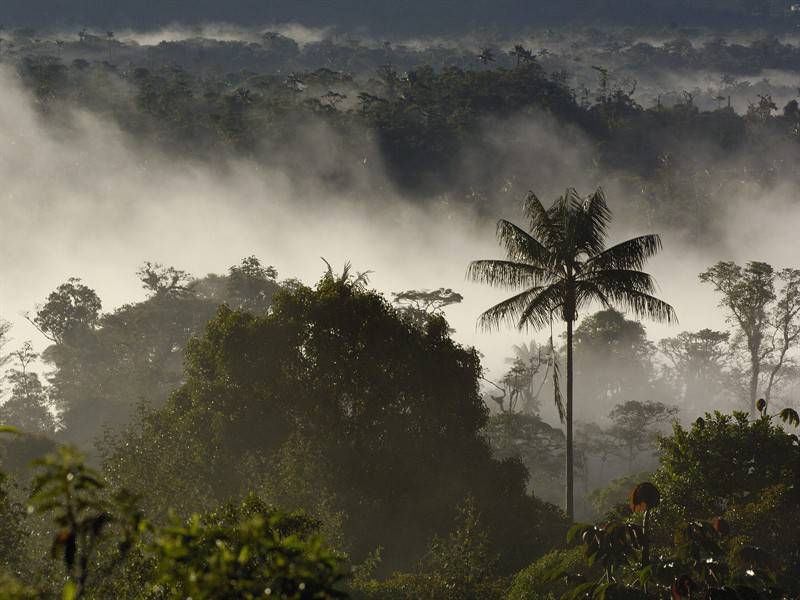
(333, 390)
(563, 266)
(28, 407)
(636, 424)
(418, 306)
(613, 352)
(697, 366)
(5, 327)
(70, 311)
(251, 285)
(785, 323)
(161, 281)
(747, 293)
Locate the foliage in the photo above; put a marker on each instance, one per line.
(613, 352)
(387, 411)
(768, 319)
(694, 566)
(635, 425)
(105, 545)
(135, 353)
(538, 445)
(246, 552)
(69, 312)
(459, 566)
(11, 588)
(536, 582)
(420, 305)
(72, 494)
(729, 466)
(28, 408)
(721, 461)
(698, 368)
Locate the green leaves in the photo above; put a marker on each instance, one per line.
(243, 555)
(75, 498)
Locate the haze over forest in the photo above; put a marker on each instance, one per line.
(259, 264)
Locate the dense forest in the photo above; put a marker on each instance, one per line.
(250, 434)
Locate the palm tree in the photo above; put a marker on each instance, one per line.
(486, 56)
(562, 266)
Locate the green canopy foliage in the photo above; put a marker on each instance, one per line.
(107, 364)
(389, 414)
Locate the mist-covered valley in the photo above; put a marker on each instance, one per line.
(252, 274)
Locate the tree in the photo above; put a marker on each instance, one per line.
(765, 305)
(5, 327)
(613, 352)
(486, 56)
(251, 285)
(390, 411)
(726, 465)
(594, 442)
(161, 281)
(563, 266)
(69, 313)
(636, 425)
(461, 566)
(86, 518)
(698, 366)
(28, 407)
(520, 385)
(135, 353)
(785, 324)
(248, 550)
(538, 445)
(419, 305)
(521, 53)
(747, 293)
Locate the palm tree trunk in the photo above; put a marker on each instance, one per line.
(569, 501)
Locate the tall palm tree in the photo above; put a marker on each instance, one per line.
(561, 267)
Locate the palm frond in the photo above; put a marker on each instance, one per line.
(592, 217)
(558, 399)
(630, 254)
(621, 280)
(588, 292)
(541, 221)
(644, 305)
(506, 273)
(520, 245)
(511, 310)
(539, 311)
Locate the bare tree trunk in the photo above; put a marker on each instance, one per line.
(569, 483)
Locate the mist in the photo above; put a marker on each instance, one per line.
(99, 204)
